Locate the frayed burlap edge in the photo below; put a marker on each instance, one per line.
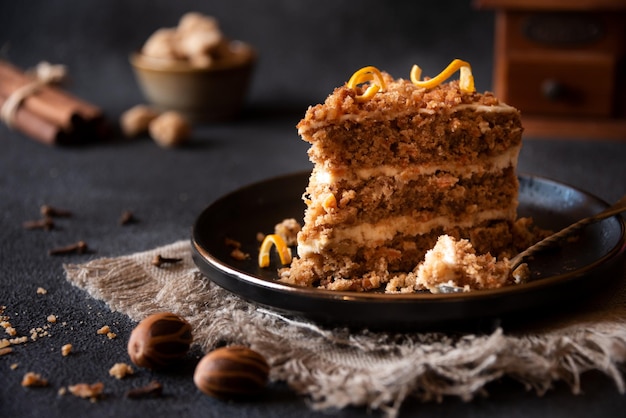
(335, 368)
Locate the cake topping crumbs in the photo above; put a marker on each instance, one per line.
(371, 75)
(14, 366)
(41, 291)
(466, 80)
(31, 379)
(237, 254)
(284, 252)
(120, 370)
(52, 318)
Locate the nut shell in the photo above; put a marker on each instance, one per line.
(231, 373)
(159, 340)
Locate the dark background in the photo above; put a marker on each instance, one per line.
(306, 48)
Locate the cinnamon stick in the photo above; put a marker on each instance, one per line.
(35, 127)
(59, 117)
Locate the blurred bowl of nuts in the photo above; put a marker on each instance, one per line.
(195, 70)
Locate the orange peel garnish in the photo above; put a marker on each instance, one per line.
(284, 252)
(466, 80)
(371, 75)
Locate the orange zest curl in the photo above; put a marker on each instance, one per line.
(466, 80)
(371, 75)
(284, 252)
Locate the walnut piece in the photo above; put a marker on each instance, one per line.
(120, 370)
(32, 379)
(86, 390)
(66, 350)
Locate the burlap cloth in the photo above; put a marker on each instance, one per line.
(335, 368)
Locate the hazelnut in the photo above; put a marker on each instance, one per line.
(135, 121)
(169, 129)
(159, 340)
(231, 372)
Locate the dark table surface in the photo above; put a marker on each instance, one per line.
(166, 189)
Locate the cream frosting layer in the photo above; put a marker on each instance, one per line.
(494, 164)
(371, 235)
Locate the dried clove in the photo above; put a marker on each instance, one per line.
(153, 388)
(44, 223)
(50, 211)
(79, 248)
(127, 218)
(159, 260)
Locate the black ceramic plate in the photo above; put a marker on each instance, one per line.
(573, 269)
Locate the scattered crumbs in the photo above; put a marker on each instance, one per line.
(237, 254)
(111, 335)
(120, 370)
(153, 388)
(14, 366)
(62, 391)
(11, 331)
(260, 236)
(232, 243)
(52, 318)
(19, 340)
(66, 350)
(32, 379)
(104, 330)
(4, 323)
(87, 391)
(41, 291)
(40, 332)
(5, 350)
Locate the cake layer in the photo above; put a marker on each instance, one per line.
(349, 260)
(352, 175)
(442, 195)
(405, 143)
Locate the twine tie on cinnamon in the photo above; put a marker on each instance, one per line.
(45, 73)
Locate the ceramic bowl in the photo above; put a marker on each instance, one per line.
(215, 93)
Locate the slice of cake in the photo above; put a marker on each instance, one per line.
(397, 164)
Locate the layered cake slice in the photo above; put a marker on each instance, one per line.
(397, 164)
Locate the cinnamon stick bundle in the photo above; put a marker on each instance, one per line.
(49, 114)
